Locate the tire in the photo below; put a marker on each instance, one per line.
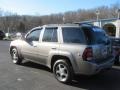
(63, 71)
(15, 56)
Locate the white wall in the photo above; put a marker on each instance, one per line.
(117, 23)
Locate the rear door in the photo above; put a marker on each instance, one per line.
(49, 43)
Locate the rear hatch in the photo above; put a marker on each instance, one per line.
(100, 43)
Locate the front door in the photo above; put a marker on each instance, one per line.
(30, 46)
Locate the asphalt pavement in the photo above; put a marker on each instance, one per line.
(32, 76)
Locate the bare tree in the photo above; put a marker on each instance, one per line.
(16, 23)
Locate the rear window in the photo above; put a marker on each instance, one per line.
(95, 35)
(73, 35)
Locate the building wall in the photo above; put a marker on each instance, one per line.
(115, 22)
(117, 28)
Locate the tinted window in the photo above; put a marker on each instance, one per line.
(95, 35)
(50, 35)
(73, 35)
(34, 35)
(100, 36)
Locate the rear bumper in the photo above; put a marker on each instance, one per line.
(89, 68)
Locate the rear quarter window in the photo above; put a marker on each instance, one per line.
(73, 35)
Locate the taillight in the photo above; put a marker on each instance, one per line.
(87, 54)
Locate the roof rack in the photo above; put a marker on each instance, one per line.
(66, 24)
(85, 23)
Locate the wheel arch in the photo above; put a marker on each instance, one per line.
(19, 52)
(57, 57)
(11, 49)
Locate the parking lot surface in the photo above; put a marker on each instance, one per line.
(31, 76)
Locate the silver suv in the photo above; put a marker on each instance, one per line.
(67, 49)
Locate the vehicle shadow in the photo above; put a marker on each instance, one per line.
(35, 65)
(109, 80)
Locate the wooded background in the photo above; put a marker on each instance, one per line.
(23, 23)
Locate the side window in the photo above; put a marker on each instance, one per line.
(73, 35)
(50, 35)
(34, 35)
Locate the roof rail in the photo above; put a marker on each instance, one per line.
(83, 23)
